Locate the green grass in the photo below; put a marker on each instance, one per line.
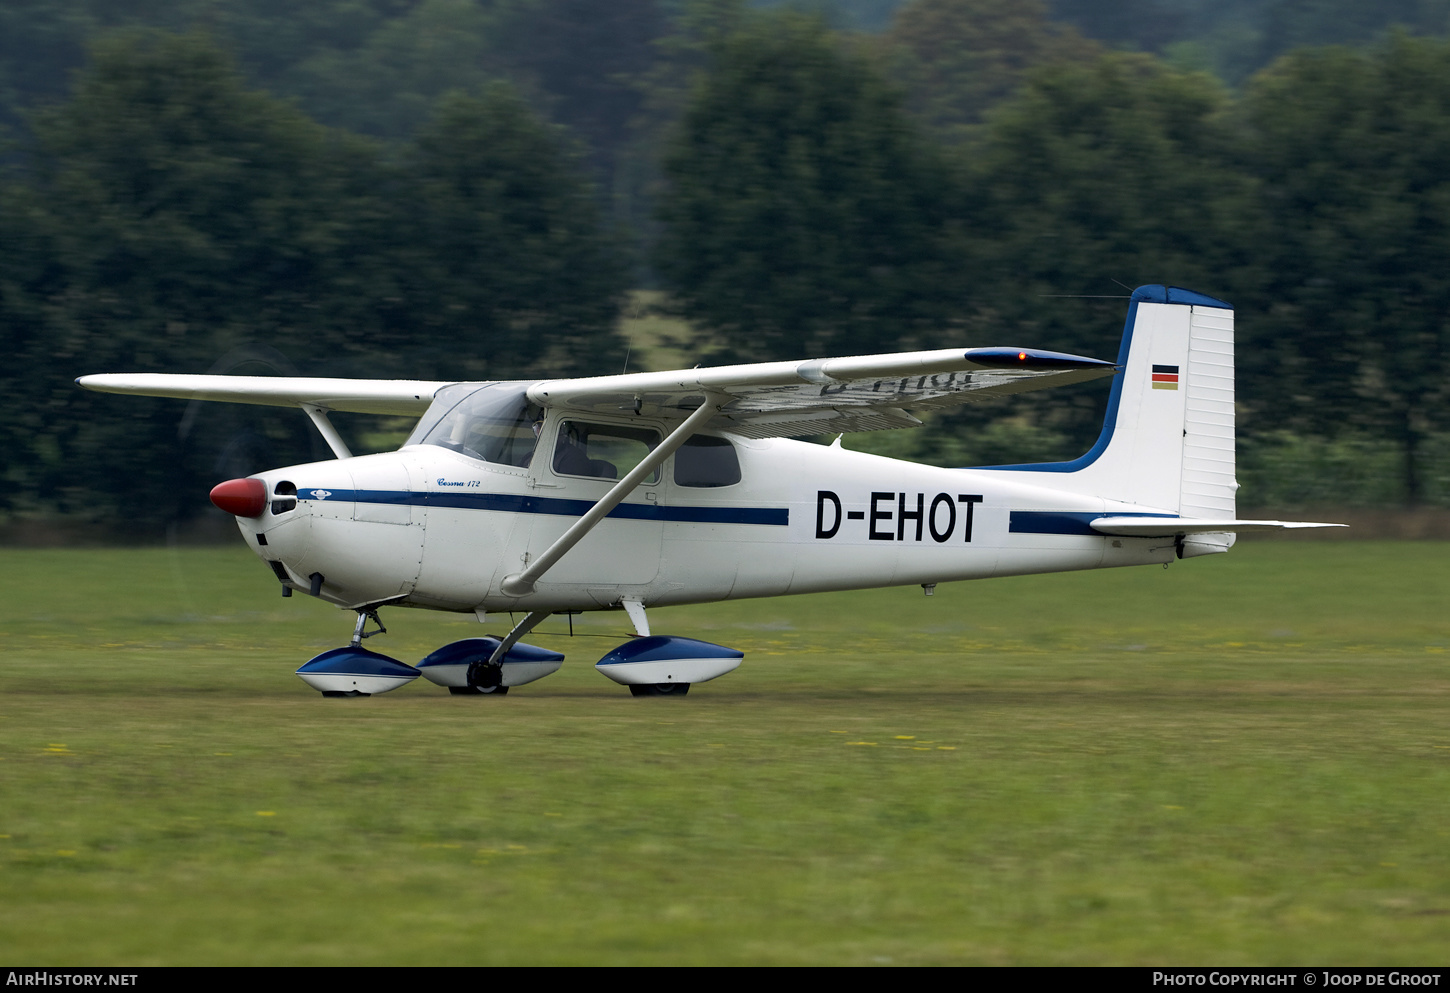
(1244, 759)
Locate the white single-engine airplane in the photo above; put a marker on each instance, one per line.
(648, 489)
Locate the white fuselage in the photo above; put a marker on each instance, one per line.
(433, 528)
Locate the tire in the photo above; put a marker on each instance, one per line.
(486, 678)
(478, 690)
(659, 689)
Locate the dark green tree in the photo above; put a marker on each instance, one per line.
(852, 15)
(1235, 38)
(385, 78)
(188, 212)
(180, 216)
(1352, 299)
(589, 62)
(506, 266)
(959, 58)
(43, 41)
(176, 221)
(1144, 25)
(802, 214)
(27, 275)
(39, 41)
(1095, 179)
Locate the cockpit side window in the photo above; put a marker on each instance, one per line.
(604, 451)
(495, 423)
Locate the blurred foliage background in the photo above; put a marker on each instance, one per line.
(470, 189)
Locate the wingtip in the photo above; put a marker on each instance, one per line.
(1037, 359)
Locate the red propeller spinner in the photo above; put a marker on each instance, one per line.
(242, 497)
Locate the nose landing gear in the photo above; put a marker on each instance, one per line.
(355, 671)
(365, 614)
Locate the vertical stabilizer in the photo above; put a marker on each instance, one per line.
(1168, 438)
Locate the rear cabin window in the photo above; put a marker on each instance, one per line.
(706, 461)
(603, 451)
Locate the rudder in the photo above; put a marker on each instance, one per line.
(1209, 486)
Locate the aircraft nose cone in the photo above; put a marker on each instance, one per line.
(242, 497)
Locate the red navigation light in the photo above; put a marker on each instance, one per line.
(1021, 356)
(242, 497)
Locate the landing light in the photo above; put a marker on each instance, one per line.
(242, 497)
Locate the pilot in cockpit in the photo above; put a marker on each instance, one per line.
(571, 457)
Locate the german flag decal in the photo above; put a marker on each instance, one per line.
(1165, 377)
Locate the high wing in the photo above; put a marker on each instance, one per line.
(358, 396)
(826, 396)
(759, 400)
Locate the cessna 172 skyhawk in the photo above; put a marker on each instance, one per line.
(649, 489)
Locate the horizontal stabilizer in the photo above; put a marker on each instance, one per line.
(1167, 527)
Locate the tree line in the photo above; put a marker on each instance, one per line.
(170, 219)
(977, 174)
(805, 215)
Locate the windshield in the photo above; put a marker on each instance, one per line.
(495, 423)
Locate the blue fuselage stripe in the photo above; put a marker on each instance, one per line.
(1062, 522)
(518, 504)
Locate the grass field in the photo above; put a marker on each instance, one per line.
(1243, 759)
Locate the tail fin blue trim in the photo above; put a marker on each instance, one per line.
(1153, 293)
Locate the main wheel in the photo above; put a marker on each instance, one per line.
(484, 678)
(659, 689)
(475, 690)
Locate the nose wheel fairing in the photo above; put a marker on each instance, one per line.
(355, 672)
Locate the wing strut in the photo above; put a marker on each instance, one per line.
(329, 433)
(522, 583)
(520, 629)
